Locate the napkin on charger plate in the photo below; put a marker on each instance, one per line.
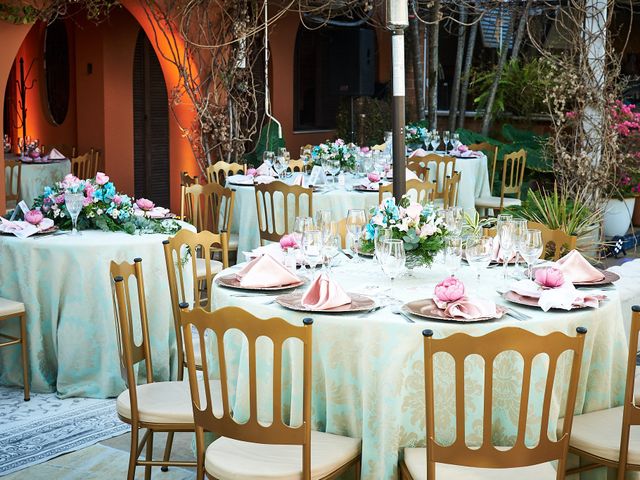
(449, 296)
(419, 152)
(264, 169)
(324, 293)
(263, 179)
(565, 297)
(22, 229)
(464, 152)
(299, 180)
(275, 250)
(56, 155)
(265, 271)
(576, 268)
(240, 179)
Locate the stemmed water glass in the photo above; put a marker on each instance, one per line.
(507, 245)
(334, 168)
(279, 165)
(331, 248)
(356, 220)
(453, 254)
(392, 258)
(435, 140)
(454, 220)
(312, 248)
(268, 158)
(455, 140)
(519, 231)
(74, 203)
(445, 138)
(322, 220)
(381, 235)
(531, 248)
(300, 225)
(479, 251)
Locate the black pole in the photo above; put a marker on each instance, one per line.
(399, 152)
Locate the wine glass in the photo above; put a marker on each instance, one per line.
(435, 140)
(531, 248)
(455, 140)
(356, 220)
(381, 235)
(267, 157)
(502, 219)
(300, 225)
(454, 219)
(279, 165)
(479, 251)
(74, 203)
(334, 168)
(519, 230)
(332, 244)
(445, 138)
(453, 254)
(506, 239)
(392, 258)
(312, 248)
(322, 219)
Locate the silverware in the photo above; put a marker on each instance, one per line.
(515, 314)
(399, 311)
(347, 254)
(371, 310)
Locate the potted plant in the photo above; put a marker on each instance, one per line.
(619, 208)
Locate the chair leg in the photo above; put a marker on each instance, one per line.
(357, 467)
(133, 453)
(167, 450)
(147, 468)
(25, 356)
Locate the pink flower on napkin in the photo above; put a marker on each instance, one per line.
(463, 148)
(549, 277)
(252, 172)
(34, 217)
(101, 178)
(449, 290)
(288, 241)
(145, 204)
(373, 177)
(365, 149)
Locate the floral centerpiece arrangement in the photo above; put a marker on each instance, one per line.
(421, 230)
(415, 133)
(346, 153)
(104, 208)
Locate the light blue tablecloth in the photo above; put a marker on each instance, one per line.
(35, 176)
(64, 282)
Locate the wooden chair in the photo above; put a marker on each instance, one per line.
(246, 448)
(296, 166)
(186, 180)
(219, 171)
(276, 209)
(439, 166)
(491, 151)
(154, 406)
(97, 163)
(512, 176)
(11, 309)
(419, 167)
(521, 461)
(451, 186)
(12, 182)
(424, 190)
(81, 166)
(556, 242)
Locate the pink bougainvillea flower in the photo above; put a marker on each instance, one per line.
(449, 290)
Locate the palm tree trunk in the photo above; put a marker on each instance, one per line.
(517, 42)
(416, 59)
(466, 73)
(486, 122)
(455, 92)
(433, 65)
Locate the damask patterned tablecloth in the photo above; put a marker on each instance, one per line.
(368, 372)
(65, 284)
(35, 176)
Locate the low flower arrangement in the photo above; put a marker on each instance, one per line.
(415, 134)
(104, 208)
(419, 227)
(346, 153)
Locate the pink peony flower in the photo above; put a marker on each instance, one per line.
(373, 177)
(101, 178)
(549, 277)
(145, 204)
(34, 217)
(288, 241)
(414, 210)
(117, 199)
(364, 149)
(463, 148)
(449, 290)
(252, 172)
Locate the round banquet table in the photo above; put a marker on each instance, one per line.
(65, 285)
(35, 176)
(368, 372)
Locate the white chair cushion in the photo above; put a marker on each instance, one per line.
(416, 461)
(494, 202)
(599, 434)
(201, 267)
(233, 459)
(167, 402)
(10, 307)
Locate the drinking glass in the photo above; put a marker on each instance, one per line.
(322, 220)
(279, 165)
(519, 230)
(334, 168)
(312, 248)
(393, 258)
(478, 252)
(268, 157)
(427, 139)
(381, 235)
(455, 140)
(332, 244)
(453, 254)
(300, 225)
(435, 140)
(502, 219)
(454, 220)
(356, 220)
(505, 237)
(445, 138)
(74, 204)
(531, 248)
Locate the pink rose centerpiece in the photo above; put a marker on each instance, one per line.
(288, 241)
(549, 277)
(252, 172)
(101, 178)
(145, 204)
(373, 177)
(449, 290)
(449, 296)
(34, 217)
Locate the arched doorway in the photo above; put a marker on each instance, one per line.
(150, 125)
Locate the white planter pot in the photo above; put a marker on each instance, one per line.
(617, 216)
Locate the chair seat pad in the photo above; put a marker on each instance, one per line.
(494, 202)
(201, 267)
(599, 432)
(228, 459)
(10, 307)
(416, 461)
(166, 402)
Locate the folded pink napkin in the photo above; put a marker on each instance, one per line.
(275, 251)
(565, 297)
(56, 155)
(465, 152)
(263, 179)
(265, 271)
(468, 308)
(324, 293)
(299, 180)
(158, 212)
(420, 152)
(263, 170)
(576, 268)
(23, 229)
(497, 255)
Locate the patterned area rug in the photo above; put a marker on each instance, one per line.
(46, 427)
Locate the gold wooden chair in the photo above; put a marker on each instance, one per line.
(276, 209)
(219, 171)
(556, 242)
(419, 167)
(439, 166)
(12, 182)
(513, 167)
(186, 180)
(451, 186)
(520, 461)
(424, 190)
(81, 166)
(491, 151)
(605, 437)
(242, 445)
(154, 406)
(11, 309)
(97, 162)
(296, 166)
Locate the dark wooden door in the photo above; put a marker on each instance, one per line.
(150, 125)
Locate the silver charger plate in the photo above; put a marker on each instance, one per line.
(427, 308)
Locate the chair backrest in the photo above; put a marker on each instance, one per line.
(419, 190)
(556, 242)
(419, 167)
(439, 166)
(12, 180)
(296, 165)
(131, 353)
(514, 341)
(64, 149)
(219, 171)
(277, 205)
(208, 418)
(181, 254)
(512, 174)
(208, 207)
(81, 166)
(96, 164)
(491, 151)
(451, 185)
(186, 180)
(631, 412)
